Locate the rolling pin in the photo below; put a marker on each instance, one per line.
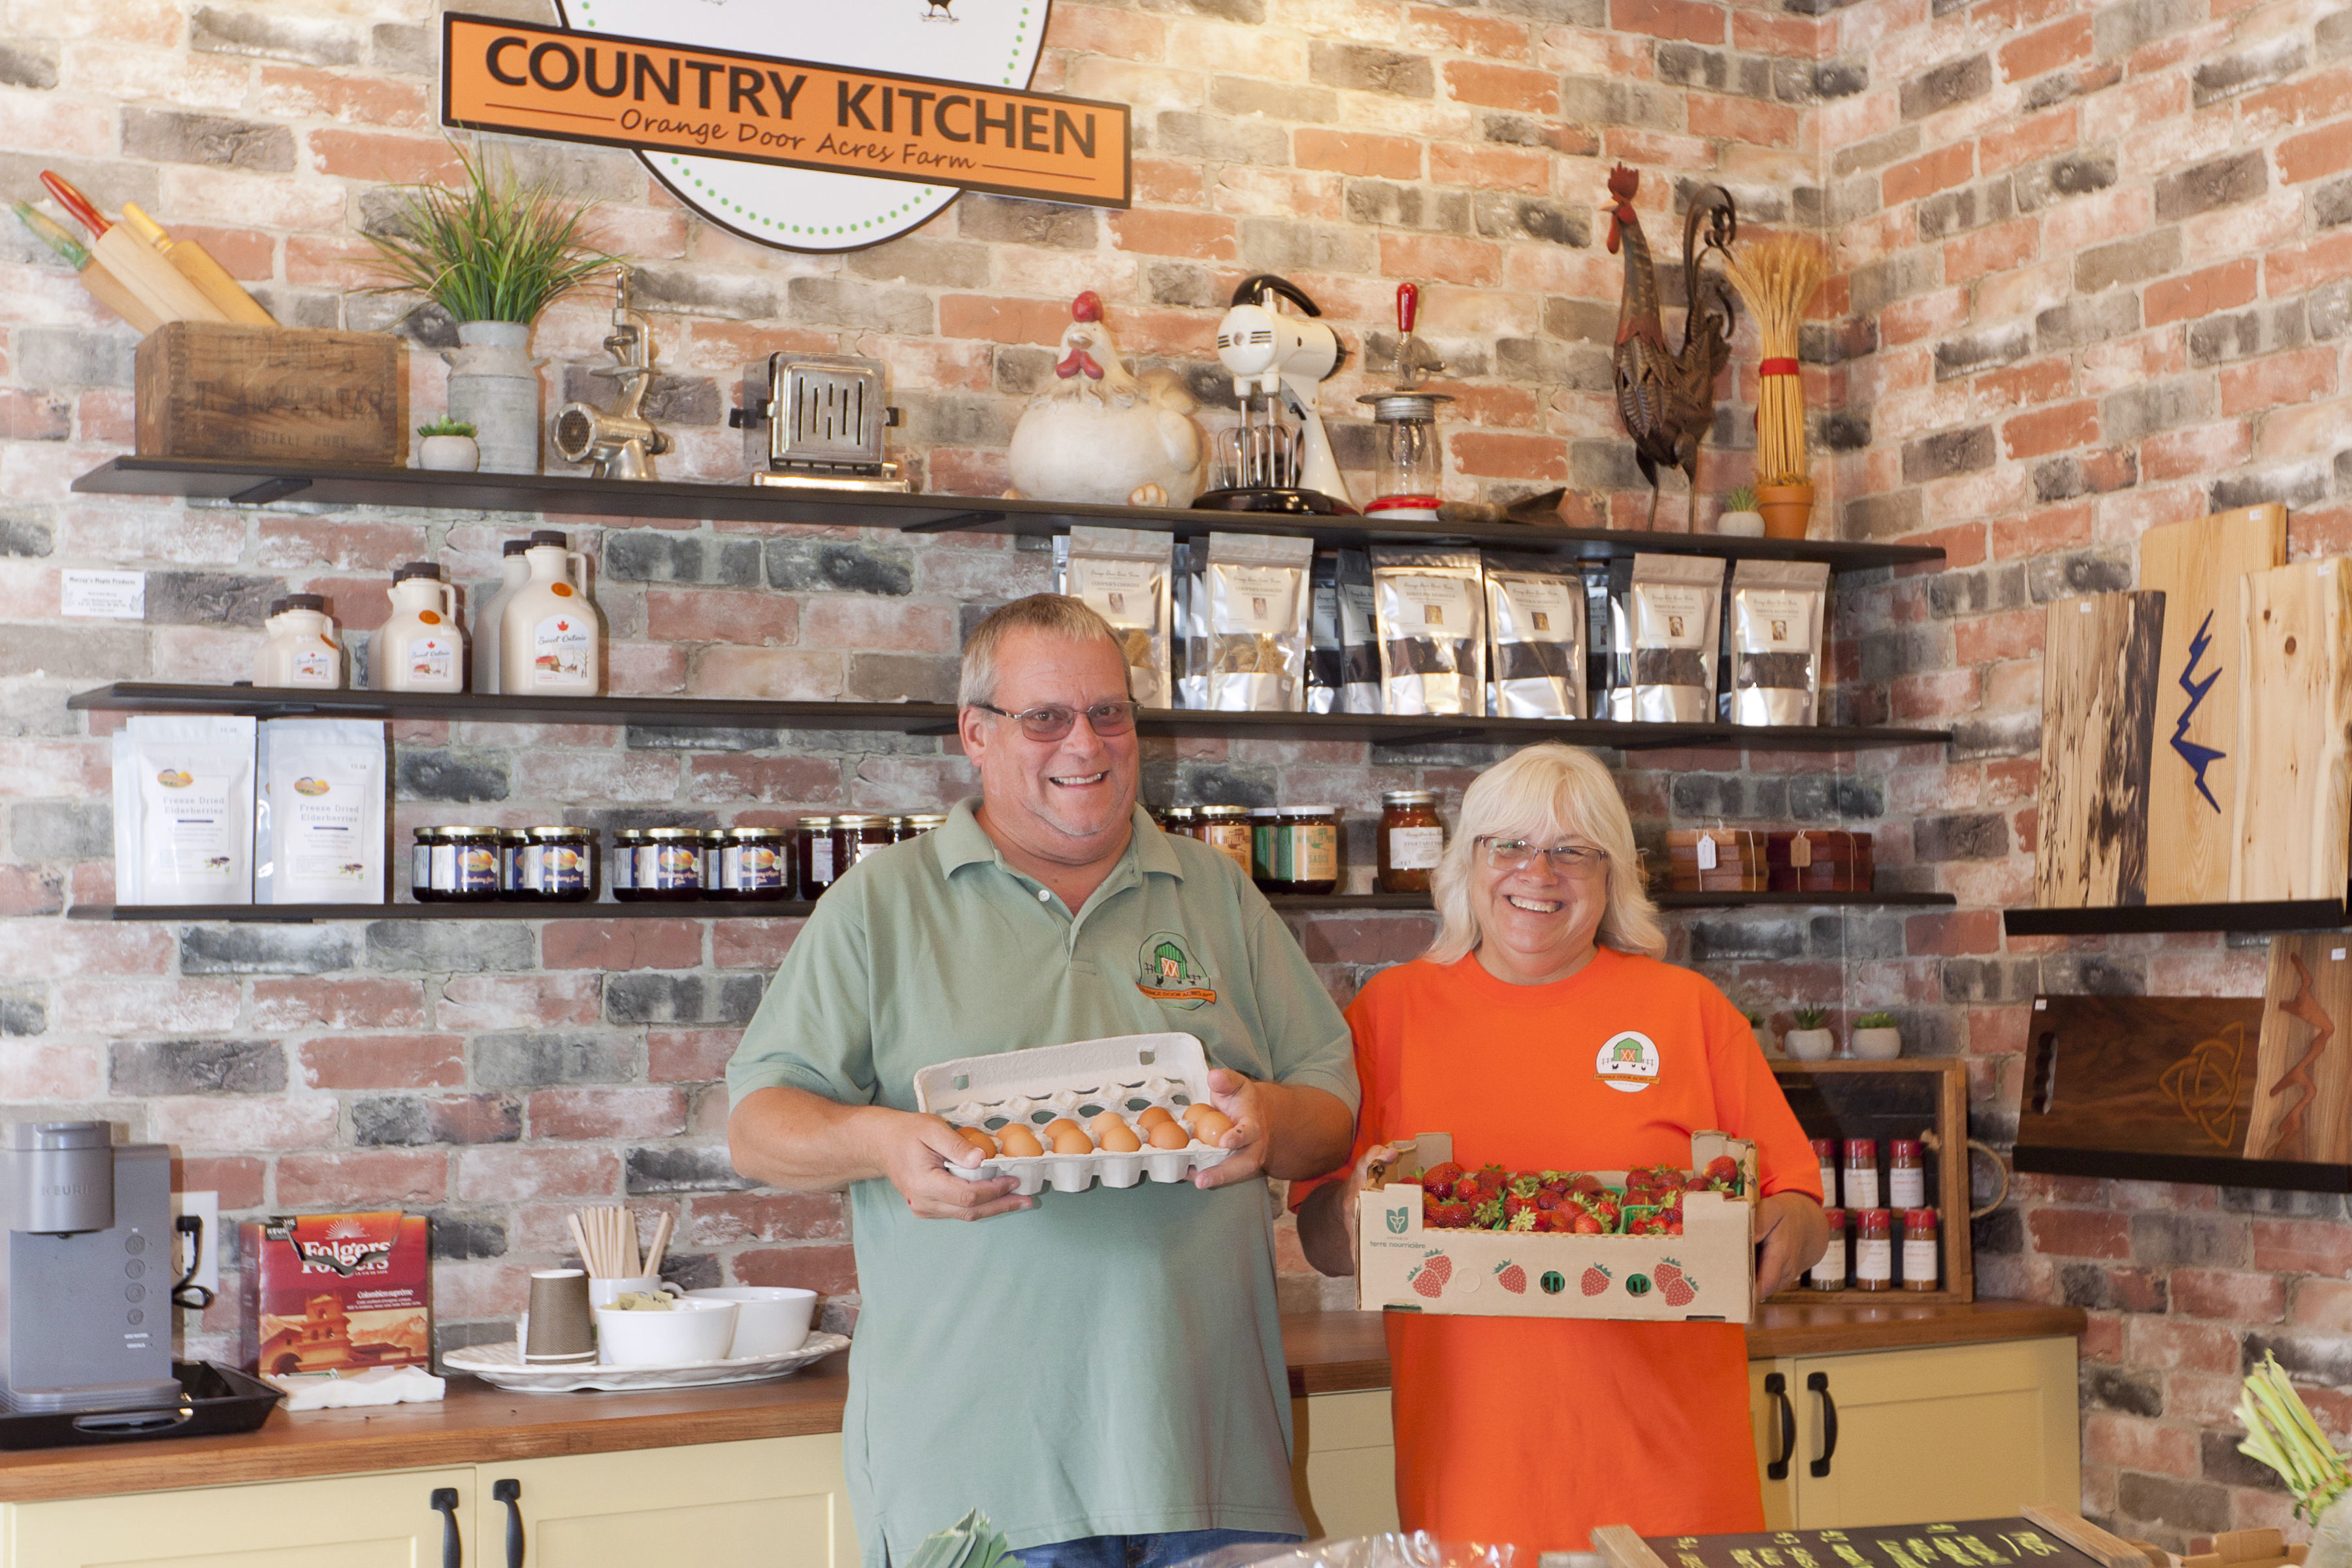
(138, 265)
(198, 266)
(103, 285)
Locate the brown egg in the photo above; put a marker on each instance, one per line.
(1104, 1123)
(1212, 1125)
(1192, 1112)
(1118, 1137)
(1059, 1125)
(978, 1139)
(1072, 1140)
(1152, 1116)
(1165, 1134)
(1018, 1143)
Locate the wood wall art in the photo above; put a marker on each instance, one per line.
(2154, 1075)
(2294, 812)
(2099, 672)
(2193, 765)
(2303, 1081)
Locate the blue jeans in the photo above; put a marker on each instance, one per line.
(1164, 1551)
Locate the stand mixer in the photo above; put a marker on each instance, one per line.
(1276, 361)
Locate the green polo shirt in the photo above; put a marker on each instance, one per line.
(1108, 1362)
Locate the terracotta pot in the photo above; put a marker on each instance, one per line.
(1786, 509)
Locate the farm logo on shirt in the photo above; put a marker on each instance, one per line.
(1628, 1062)
(1167, 972)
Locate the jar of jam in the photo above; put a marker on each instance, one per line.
(899, 831)
(1825, 1151)
(818, 871)
(1828, 1273)
(1262, 820)
(1861, 1173)
(1301, 849)
(1873, 1249)
(856, 836)
(669, 864)
(621, 875)
(1906, 1175)
(559, 864)
(1921, 1254)
(512, 842)
(1179, 819)
(474, 856)
(714, 846)
(420, 865)
(754, 863)
(1227, 828)
(1411, 838)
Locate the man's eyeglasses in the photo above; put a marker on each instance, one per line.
(1568, 859)
(1053, 721)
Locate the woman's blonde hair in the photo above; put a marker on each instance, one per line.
(1544, 794)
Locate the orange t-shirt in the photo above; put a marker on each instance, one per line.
(1536, 1430)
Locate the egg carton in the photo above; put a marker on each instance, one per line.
(1127, 1073)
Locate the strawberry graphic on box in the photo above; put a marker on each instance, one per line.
(1676, 1286)
(1596, 1280)
(1512, 1277)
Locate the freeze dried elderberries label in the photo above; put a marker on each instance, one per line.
(1255, 588)
(1675, 614)
(1431, 611)
(1535, 612)
(1777, 609)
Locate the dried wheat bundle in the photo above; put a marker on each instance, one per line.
(1778, 276)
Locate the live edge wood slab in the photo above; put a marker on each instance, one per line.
(1329, 1352)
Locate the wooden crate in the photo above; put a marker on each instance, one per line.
(1895, 1100)
(278, 395)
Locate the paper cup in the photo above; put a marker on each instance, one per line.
(769, 1319)
(557, 1331)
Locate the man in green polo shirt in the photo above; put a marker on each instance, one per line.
(1101, 1372)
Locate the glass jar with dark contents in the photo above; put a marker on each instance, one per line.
(429, 841)
(559, 864)
(922, 822)
(1298, 850)
(899, 830)
(669, 864)
(855, 837)
(817, 866)
(621, 874)
(1227, 828)
(754, 863)
(1180, 820)
(512, 842)
(1411, 838)
(474, 870)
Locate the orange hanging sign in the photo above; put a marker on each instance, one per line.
(528, 79)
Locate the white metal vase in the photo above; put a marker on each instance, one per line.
(494, 387)
(2331, 1536)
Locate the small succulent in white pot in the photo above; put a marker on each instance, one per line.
(1764, 1040)
(1811, 1040)
(1740, 516)
(1877, 1037)
(447, 445)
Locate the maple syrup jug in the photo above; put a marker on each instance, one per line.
(551, 639)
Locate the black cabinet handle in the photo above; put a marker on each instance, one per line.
(1819, 1383)
(509, 1492)
(444, 1503)
(1778, 1387)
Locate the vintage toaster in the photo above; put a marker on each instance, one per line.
(816, 421)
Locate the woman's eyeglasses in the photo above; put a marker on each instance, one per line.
(1053, 721)
(1568, 859)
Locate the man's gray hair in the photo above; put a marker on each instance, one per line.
(1048, 615)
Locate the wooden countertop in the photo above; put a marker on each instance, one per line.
(1329, 1352)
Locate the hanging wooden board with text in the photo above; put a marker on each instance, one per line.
(2192, 767)
(2294, 813)
(2141, 1075)
(2302, 1080)
(2098, 712)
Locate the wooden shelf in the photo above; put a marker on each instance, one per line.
(691, 909)
(2299, 914)
(257, 484)
(2204, 1169)
(938, 719)
(1800, 900)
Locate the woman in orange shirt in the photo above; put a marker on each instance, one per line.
(1536, 1430)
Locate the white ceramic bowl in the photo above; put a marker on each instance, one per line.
(689, 1331)
(770, 1320)
(603, 1292)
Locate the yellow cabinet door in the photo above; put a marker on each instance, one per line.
(1343, 1464)
(725, 1505)
(1949, 1432)
(384, 1520)
(1771, 1410)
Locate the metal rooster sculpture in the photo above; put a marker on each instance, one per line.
(1667, 400)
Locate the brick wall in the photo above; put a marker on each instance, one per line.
(2087, 279)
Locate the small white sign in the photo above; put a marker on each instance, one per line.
(108, 596)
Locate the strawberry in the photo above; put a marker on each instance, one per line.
(1596, 1280)
(1437, 1263)
(1512, 1277)
(1724, 1172)
(1587, 1224)
(1524, 1219)
(1559, 1220)
(1525, 1184)
(1514, 1206)
(1586, 1181)
(1443, 1215)
(1547, 1200)
(1425, 1282)
(1488, 1215)
(1696, 1182)
(1438, 1180)
(1675, 1224)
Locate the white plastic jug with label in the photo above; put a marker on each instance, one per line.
(514, 571)
(420, 648)
(300, 648)
(551, 639)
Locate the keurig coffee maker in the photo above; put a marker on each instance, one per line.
(85, 1270)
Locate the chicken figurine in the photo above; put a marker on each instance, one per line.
(1101, 436)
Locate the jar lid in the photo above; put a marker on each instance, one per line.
(1408, 797)
(1919, 1220)
(480, 832)
(1264, 813)
(627, 834)
(1862, 1149)
(673, 835)
(1826, 1147)
(897, 821)
(1900, 1147)
(514, 547)
(815, 824)
(1177, 813)
(753, 834)
(1225, 813)
(1874, 1219)
(855, 820)
(1404, 408)
(1835, 1216)
(924, 821)
(297, 601)
(416, 569)
(559, 831)
(1310, 811)
(426, 835)
(513, 835)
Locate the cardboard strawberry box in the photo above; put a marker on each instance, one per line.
(1705, 1274)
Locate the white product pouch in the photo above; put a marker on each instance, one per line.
(183, 791)
(1123, 575)
(320, 833)
(1258, 615)
(1429, 607)
(1535, 616)
(1677, 615)
(1776, 611)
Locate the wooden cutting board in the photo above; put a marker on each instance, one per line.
(2294, 813)
(2098, 712)
(2142, 1075)
(2192, 767)
(2303, 1079)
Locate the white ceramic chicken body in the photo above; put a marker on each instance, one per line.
(1102, 437)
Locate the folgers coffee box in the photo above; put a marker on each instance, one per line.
(1705, 1273)
(337, 1293)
